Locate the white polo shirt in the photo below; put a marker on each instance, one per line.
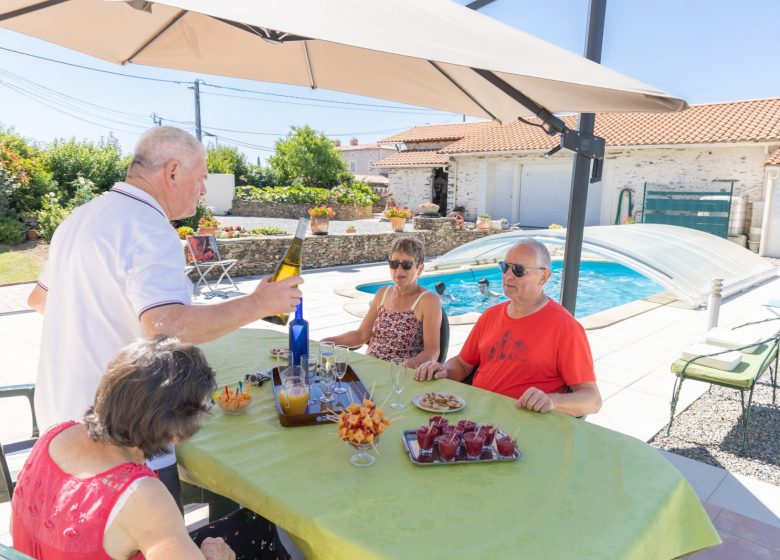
(110, 261)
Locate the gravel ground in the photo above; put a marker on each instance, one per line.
(709, 431)
(377, 224)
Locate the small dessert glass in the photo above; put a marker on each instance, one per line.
(506, 446)
(474, 442)
(448, 447)
(425, 438)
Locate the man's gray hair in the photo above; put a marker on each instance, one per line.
(157, 146)
(542, 253)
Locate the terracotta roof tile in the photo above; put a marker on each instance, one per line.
(740, 121)
(774, 158)
(413, 157)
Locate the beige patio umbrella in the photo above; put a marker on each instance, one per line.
(429, 53)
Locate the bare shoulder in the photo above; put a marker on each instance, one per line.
(430, 302)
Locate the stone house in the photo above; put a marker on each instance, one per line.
(502, 170)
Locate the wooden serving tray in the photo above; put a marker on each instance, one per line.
(318, 413)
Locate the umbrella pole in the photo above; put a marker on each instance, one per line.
(579, 177)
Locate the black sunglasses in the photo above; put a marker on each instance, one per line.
(517, 269)
(406, 265)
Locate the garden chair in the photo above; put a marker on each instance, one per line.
(13, 455)
(204, 257)
(732, 367)
(7, 553)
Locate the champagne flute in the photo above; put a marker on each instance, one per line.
(327, 383)
(327, 355)
(399, 375)
(342, 358)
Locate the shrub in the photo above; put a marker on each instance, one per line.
(11, 230)
(259, 176)
(100, 163)
(51, 215)
(354, 193)
(208, 221)
(291, 195)
(201, 211)
(267, 230)
(23, 179)
(227, 159)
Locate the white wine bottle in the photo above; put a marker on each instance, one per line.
(290, 265)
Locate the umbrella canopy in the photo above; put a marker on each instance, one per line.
(431, 53)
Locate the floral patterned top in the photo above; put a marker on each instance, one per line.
(396, 334)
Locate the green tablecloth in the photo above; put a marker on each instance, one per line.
(579, 491)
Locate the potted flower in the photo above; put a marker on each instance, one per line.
(555, 226)
(207, 225)
(351, 229)
(184, 231)
(398, 217)
(428, 208)
(483, 221)
(320, 218)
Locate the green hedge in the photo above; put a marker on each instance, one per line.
(354, 193)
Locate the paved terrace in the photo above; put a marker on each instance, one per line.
(632, 364)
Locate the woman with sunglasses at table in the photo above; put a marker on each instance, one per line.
(404, 319)
(529, 348)
(85, 491)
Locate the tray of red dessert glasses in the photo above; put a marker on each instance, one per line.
(442, 443)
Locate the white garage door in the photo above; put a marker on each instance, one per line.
(544, 196)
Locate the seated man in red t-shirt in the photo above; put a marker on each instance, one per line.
(529, 348)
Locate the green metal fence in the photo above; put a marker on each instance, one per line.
(705, 210)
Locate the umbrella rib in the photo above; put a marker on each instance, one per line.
(157, 35)
(30, 9)
(308, 65)
(457, 85)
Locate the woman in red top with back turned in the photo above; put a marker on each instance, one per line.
(85, 493)
(529, 348)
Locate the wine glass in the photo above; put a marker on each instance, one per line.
(327, 383)
(342, 358)
(399, 375)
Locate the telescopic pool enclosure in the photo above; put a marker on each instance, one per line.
(682, 260)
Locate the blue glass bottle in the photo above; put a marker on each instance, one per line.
(299, 336)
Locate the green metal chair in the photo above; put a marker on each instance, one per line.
(13, 455)
(743, 378)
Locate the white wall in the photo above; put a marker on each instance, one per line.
(411, 185)
(220, 192)
(630, 167)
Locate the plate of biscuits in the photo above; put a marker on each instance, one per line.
(438, 402)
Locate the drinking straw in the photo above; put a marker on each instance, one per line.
(227, 393)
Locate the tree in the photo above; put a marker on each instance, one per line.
(308, 158)
(102, 164)
(227, 159)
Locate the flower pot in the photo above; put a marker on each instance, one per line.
(319, 225)
(483, 223)
(207, 230)
(429, 210)
(32, 234)
(397, 224)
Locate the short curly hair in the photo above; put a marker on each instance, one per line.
(409, 246)
(154, 392)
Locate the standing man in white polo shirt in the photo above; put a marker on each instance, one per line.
(116, 273)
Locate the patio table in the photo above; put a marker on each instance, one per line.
(578, 491)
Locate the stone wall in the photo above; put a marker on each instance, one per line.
(259, 255)
(263, 209)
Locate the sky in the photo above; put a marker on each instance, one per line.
(700, 50)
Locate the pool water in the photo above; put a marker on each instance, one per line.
(602, 285)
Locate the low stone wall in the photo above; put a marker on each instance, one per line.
(261, 209)
(259, 255)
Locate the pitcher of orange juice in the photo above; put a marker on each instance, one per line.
(294, 394)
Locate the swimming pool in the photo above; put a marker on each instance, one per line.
(602, 285)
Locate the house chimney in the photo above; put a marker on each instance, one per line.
(353, 142)
(337, 143)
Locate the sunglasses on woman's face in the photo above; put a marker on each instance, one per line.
(406, 265)
(517, 269)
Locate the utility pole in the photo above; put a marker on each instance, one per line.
(198, 132)
(579, 185)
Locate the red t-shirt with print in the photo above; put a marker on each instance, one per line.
(547, 350)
